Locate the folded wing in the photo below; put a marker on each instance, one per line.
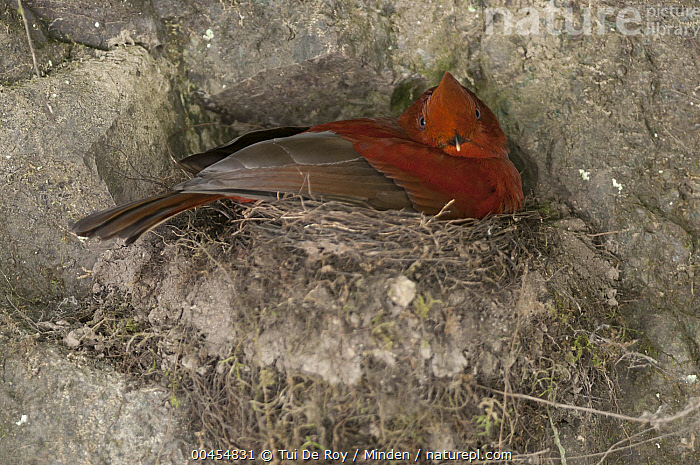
(317, 165)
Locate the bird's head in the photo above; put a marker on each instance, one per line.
(452, 118)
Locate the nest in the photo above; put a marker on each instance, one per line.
(306, 325)
(486, 254)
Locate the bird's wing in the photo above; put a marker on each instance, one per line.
(417, 168)
(320, 165)
(197, 162)
(432, 178)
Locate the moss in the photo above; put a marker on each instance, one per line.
(405, 93)
(423, 305)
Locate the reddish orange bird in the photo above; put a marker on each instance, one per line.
(446, 147)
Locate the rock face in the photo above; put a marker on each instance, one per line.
(603, 126)
(68, 138)
(59, 407)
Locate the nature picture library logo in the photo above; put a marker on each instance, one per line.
(649, 20)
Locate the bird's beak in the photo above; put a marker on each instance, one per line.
(457, 146)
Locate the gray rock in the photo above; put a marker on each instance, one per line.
(59, 407)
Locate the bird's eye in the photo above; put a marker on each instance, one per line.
(478, 114)
(421, 122)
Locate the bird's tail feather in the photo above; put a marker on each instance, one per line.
(130, 221)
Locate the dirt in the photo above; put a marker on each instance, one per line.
(407, 317)
(299, 325)
(60, 406)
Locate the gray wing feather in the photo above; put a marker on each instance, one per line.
(321, 165)
(310, 148)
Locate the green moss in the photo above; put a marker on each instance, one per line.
(423, 305)
(545, 209)
(562, 306)
(405, 94)
(580, 344)
(384, 335)
(490, 420)
(445, 61)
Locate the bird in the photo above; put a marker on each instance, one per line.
(446, 154)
